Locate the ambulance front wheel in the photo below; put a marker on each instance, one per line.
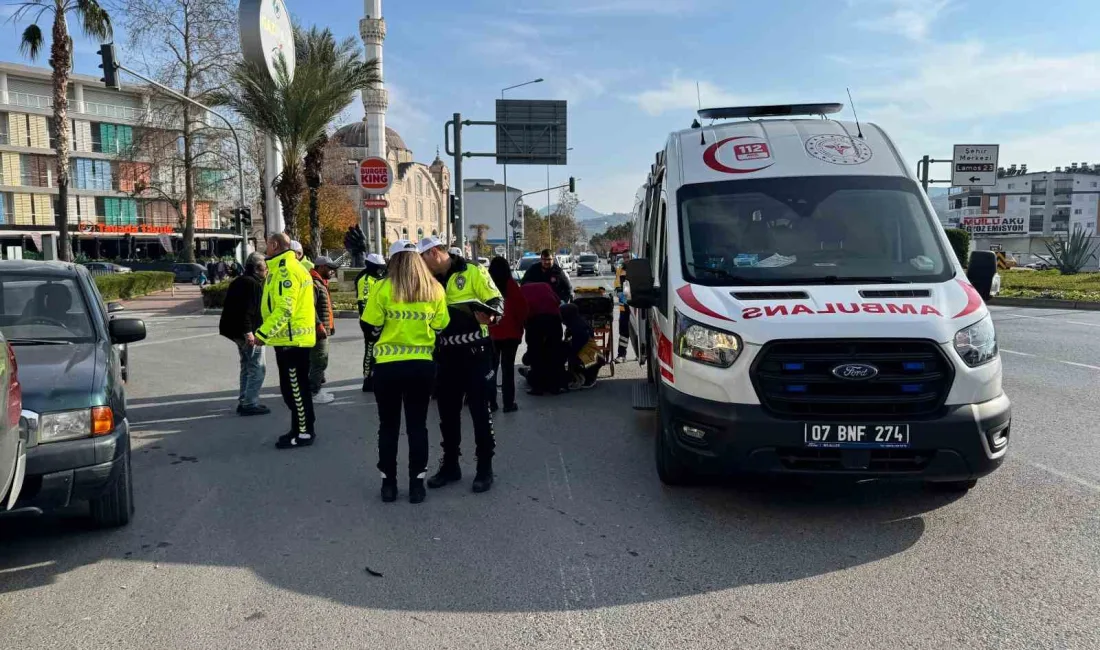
(670, 469)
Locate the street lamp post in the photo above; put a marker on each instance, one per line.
(506, 217)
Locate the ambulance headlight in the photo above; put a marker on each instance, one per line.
(977, 344)
(704, 344)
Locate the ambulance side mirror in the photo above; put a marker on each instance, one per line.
(638, 288)
(980, 272)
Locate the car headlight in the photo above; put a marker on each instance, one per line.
(72, 425)
(977, 344)
(704, 344)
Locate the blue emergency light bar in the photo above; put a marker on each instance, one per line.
(779, 110)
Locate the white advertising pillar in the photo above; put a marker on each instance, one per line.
(273, 209)
(372, 29)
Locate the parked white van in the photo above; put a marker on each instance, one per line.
(799, 309)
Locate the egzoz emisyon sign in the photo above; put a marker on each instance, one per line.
(990, 225)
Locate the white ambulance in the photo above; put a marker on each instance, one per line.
(799, 309)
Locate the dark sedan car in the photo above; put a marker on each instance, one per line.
(188, 272)
(588, 264)
(69, 353)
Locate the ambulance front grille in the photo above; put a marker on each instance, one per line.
(794, 379)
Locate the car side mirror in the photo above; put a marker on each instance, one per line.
(126, 330)
(114, 307)
(638, 287)
(980, 272)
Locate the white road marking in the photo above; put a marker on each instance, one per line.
(1052, 317)
(177, 340)
(215, 414)
(206, 400)
(1035, 356)
(1083, 482)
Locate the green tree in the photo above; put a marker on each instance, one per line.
(1071, 254)
(297, 112)
(96, 24)
(314, 164)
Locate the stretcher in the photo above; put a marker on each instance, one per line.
(597, 307)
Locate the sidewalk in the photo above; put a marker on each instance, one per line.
(181, 300)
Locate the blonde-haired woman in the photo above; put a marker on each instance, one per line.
(404, 312)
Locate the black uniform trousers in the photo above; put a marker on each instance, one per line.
(368, 349)
(463, 373)
(546, 353)
(624, 332)
(294, 383)
(408, 384)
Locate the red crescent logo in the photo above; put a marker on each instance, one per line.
(710, 157)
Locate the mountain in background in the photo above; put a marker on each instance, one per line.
(594, 222)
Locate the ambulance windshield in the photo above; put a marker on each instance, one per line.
(810, 230)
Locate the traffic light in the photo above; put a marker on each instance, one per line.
(245, 216)
(109, 65)
(572, 185)
(454, 208)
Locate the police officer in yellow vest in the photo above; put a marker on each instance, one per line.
(367, 279)
(465, 361)
(289, 325)
(404, 314)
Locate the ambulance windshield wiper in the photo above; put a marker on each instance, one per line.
(852, 279)
(722, 273)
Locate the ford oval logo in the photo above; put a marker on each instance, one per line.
(855, 371)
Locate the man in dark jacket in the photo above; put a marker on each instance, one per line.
(323, 270)
(241, 317)
(549, 272)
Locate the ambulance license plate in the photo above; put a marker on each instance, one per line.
(857, 436)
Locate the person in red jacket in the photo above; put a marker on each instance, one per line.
(506, 334)
(545, 356)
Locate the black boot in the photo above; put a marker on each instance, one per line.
(389, 490)
(416, 490)
(449, 472)
(483, 480)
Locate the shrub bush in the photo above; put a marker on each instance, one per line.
(213, 295)
(960, 243)
(133, 285)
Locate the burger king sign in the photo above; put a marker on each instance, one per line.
(375, 175)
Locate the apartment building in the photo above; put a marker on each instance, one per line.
(108, 213)
(1025, 209)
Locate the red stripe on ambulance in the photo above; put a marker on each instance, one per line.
(892, 308)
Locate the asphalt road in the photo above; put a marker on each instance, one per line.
(578, 545)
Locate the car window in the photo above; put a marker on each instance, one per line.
(41, 307)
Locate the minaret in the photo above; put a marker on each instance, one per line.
(375, 100)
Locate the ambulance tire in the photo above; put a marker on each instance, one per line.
(670, 469)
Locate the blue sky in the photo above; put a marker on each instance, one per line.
(932, 72)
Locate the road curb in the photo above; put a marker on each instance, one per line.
(344, 313)
(1045, 303)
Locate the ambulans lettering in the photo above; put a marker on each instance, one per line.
(840, 308)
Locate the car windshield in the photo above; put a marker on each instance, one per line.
(527, 263)
(587, 259)
(823, 229)
(37, 308)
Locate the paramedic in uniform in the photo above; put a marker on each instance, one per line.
(465, 362)
(289, 326)
(624, 313)
(368, 278)
(404, 314)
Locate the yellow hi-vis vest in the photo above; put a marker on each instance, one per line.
(363, 290)
(287, 307)
(408, 328)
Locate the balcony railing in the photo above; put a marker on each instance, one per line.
(1038, 188)
(96, 109)
(965, 212)
(1039, 200)
(30, 101)
(113, 111)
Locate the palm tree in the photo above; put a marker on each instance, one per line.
(297, 112)
(314, 162)
(95, 23)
